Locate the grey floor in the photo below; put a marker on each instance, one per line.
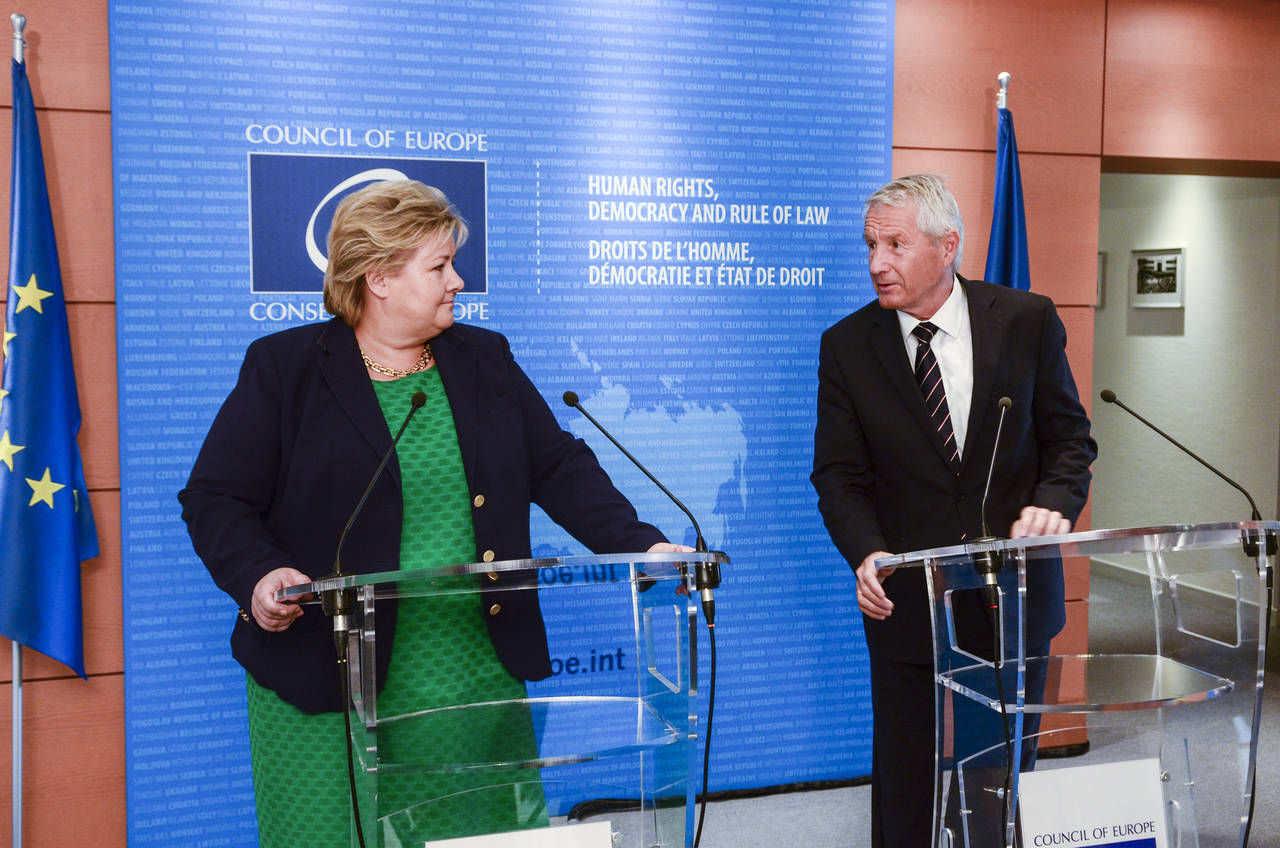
(839, 818)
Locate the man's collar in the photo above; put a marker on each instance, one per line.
(949, 318)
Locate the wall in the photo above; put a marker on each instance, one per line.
(1207, 374)
(1088, 86)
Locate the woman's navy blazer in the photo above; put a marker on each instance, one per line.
(296, 443)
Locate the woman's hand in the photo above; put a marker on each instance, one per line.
(269, 613)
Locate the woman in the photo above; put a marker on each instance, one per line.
(293, 448)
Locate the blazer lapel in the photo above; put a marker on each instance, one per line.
(886, 339)
(457, 367)
(987, 328)
(344, 373)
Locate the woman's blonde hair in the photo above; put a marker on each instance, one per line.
(377, 229)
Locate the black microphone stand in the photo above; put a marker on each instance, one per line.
(988, 564)
(707, 574)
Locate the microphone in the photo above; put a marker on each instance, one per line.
(338, 603)
(989, 563)
(707, 573)
(1250, 542)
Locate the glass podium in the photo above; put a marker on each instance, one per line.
(616, 734)
(1173, 671)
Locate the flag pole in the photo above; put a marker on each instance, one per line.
(19, 23)
(15, 785)
(1002, 98)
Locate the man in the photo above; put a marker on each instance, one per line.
(896, 472)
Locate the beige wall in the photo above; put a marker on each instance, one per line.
(1093, 79)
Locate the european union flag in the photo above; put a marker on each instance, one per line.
(46, 525)
(1007, 249)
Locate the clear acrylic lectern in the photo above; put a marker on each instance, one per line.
(1173, 671)
(618, 734)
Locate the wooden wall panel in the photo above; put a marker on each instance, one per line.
(1074, 639)
(1190, 79)
(1079, 323)
(66, 54)
(73, 758)
(1061, 197)
(77, 161)
(947, 55)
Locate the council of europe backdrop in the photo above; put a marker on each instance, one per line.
(665, 207)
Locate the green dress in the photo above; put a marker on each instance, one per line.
(442, 656)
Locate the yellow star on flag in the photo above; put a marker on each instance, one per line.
(31, 295)
(8, 449)
(43, 489)
(8, 335)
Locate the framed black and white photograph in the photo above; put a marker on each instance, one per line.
(1156, 279)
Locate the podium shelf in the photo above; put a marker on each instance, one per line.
(496, 735)
(1091, 683)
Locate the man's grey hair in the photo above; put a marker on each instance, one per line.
(937, 212)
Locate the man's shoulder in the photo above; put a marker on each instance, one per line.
(985, 293)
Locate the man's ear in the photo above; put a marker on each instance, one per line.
(950, 246)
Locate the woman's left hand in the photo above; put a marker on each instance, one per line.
(668, 548)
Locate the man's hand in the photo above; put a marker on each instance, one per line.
(668, 548)
(1038, 521)
(269, 613)
(872, 600)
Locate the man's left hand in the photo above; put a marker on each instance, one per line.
(1038, 521)
(668, 548)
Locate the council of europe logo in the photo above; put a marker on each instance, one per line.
(292, 198)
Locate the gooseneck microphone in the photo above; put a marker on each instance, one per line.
(707, 574)
(989, 563)
(1250, 542)
(338, 603)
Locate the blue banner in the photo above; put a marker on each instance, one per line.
(665, 211)
(45, 518)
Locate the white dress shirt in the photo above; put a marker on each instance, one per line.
(953, 348)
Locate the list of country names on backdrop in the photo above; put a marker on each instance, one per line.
(665, 209)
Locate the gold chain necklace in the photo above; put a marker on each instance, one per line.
(423, 363)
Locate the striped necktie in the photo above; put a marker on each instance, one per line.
(929, 378)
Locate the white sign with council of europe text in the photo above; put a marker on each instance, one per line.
(1113, 804)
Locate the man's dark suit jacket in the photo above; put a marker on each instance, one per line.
(881, 474)
(296, 443)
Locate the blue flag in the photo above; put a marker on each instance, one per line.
(1007, 250)
(46, 525)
